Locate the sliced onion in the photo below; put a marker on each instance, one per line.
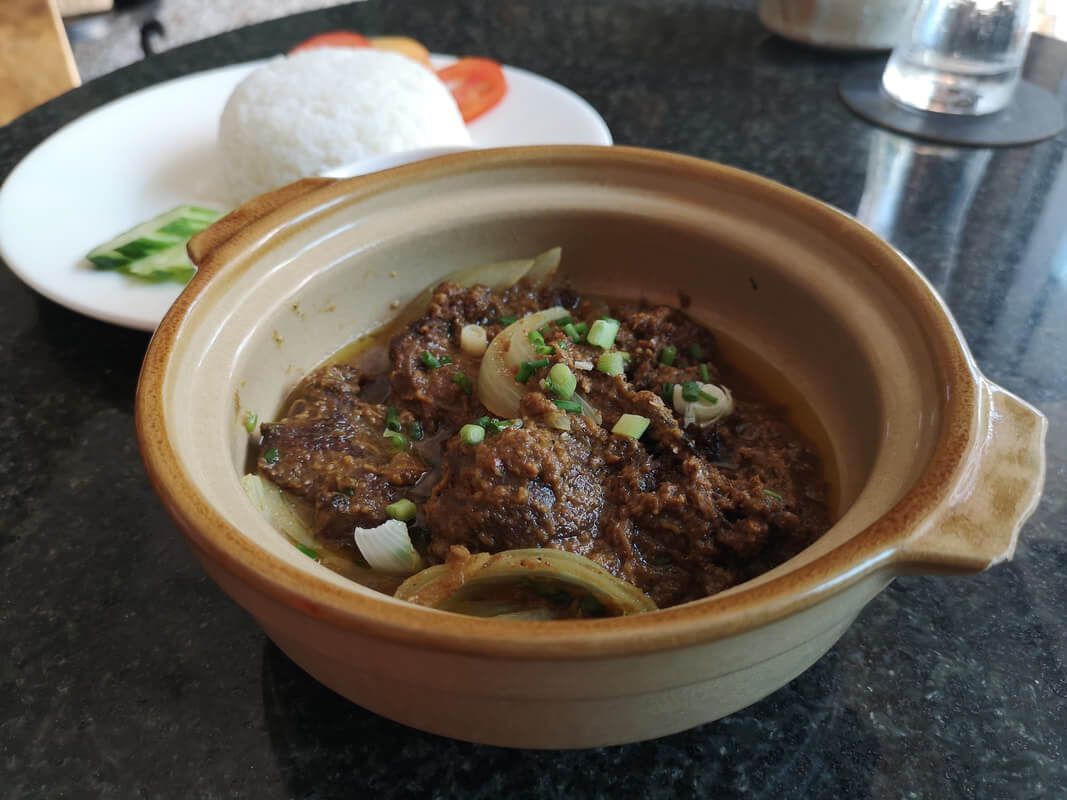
(387, 548)
(588, 411)
(497, 388)
(286, 513)
(544, 268)
(700, 411)
(454, 586)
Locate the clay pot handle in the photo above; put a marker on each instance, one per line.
(211, 239)
(978, 525)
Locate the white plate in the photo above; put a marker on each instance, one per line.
(154, 149)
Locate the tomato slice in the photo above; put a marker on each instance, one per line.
(478, 84)
(333, 39)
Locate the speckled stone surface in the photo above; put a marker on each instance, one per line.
(124, 672)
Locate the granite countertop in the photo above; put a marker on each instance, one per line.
(125, 672)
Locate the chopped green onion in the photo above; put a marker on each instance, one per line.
(392, 419)
(251, 420)
(397, 440)
(632, 426)
(434, 362)
(611, 363)
(537, 339)
(582, 328)
(570, 406)
(499, 425)
(772, 493)
(667, 393)
(705, 373)
(402, 510)
(690, 391)
(603, 333)
(668, 354)
(507, 320)
(709, 397)
(347, 491)
(303, 548)
(472, 434)
(572, 332)
(527, 368)
(272, 456)
(564, 320)
(696, 352)
(464, 383)
(415, 431)
(482, 421)
(561, 381)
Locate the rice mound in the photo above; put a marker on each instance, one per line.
(316, 109)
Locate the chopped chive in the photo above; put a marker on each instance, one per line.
(709, 397)
(392, 419)
(667, 393)
(603, 333)
(572, 332)
(705, 373)
(251, 420)
(696, 352)
(561, 381)
(527, 368)
(668, 354)
(537, 339)
(303, 548)
(632, 426)
(272, 456)
(570, 406)
(507, 320)
(472, 434)
(403, 510)
(415, 431)
(464, 383)
(434, 362)
(772, 493)
(501, 425)
(397, 440)
(611, 363)
(690, 391)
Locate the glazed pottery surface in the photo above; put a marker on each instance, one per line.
(936, 467)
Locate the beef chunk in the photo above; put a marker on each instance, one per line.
(524, 487)
(329, 449)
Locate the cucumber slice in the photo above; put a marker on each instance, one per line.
(155, 250)
(172, 264)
